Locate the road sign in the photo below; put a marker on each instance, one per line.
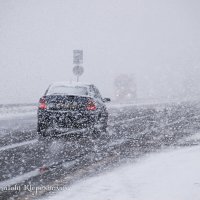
(78, 70)
(78, 57)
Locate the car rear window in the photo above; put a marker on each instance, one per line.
(68, 90)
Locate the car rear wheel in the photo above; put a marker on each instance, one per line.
(96, 134)
(104, 127)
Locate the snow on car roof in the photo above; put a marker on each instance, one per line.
(71, 83)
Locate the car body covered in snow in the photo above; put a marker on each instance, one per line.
(71, 108)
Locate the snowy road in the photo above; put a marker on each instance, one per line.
(134, 131)
(165, 176)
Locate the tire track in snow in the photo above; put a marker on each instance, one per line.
(15, 145)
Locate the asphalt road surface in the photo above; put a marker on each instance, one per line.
(134, 131)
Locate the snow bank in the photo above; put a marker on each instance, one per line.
(172, 175)
(13, 111)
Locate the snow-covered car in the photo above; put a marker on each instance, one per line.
(72, 108)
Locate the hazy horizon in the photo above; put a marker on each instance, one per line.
(158, 41)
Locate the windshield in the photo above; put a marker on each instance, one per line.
(68, 90)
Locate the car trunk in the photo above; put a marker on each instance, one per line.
(69, 111)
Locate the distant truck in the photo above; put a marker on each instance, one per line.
(125, 88)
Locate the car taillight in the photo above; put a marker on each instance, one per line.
(91, 105)
(42, 104)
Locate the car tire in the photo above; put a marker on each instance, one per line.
(104, 127)
(96, 134)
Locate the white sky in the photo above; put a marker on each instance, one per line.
(157, 40)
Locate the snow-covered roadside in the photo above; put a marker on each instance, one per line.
(13, 111)
(151, 101)
(171, 175)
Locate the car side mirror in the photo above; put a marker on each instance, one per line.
(106, 100)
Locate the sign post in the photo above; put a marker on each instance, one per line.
(78, 61)
(78, 71)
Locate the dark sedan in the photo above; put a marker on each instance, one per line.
(72, 108)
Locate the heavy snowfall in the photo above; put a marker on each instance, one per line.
(99, 100)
